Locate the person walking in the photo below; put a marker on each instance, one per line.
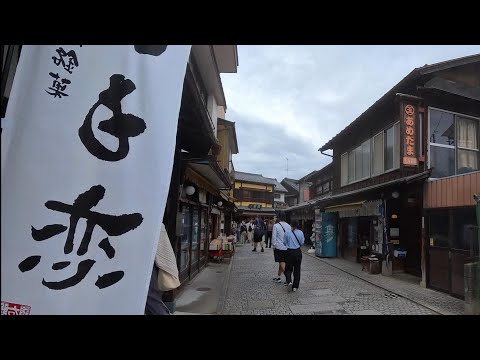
(243, 232)
(268, 243)
(259, 231)
(293, 240)
(279, 230)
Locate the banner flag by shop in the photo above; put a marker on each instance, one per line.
(86, 166)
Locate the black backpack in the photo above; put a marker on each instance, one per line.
(259, 228)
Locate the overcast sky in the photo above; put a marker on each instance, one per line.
(288, 101)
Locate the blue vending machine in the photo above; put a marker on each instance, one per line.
(326, 245)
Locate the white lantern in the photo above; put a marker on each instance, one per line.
(220, 204)
(190, 190)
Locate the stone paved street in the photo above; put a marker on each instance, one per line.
(324, 290)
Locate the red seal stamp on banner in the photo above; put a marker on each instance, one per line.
(15, 309)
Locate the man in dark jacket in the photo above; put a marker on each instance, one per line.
(258, 232)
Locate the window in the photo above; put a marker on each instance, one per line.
(365, 159)
(439, 229)
(377, 162)
(396, 152)
(453, 141)
(351, 167)
(326, 187)
(388, 160)
(464, 228)
(467, 153)
(278, 196)
(344, 169)
(373, 157)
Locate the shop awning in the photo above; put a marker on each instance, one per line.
(211, 171)
(246, 211)
(344, 207)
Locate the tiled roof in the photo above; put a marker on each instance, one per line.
(259, 179)
(293, 183)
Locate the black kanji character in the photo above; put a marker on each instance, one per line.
(81, 209)
(119, 125)
(72, 59)
(155, 50)
(57, 87)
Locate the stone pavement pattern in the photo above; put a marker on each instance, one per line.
(324, 290)
(434, 300)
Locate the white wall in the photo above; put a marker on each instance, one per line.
(212, 109)
(281, 199)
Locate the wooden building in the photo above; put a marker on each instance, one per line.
(405, 184)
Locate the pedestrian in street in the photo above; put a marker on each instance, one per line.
(243, 232)
(279, 249)
(259, 232)
(250, 226)
(268, 243)
(293, 240)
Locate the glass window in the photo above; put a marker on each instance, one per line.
(467, 138)
(396, 153)
(456, 143)
(326, 187)
(442, 129)
(442, 160)
(467, 161)
(203, 234)
(366, 159)
(467, 131)
(344, 169)
(195, 234)
(351, 167)
(358, 163)
(465, 232)
(388, 157)
(186, 238)
(277, 196)
(439, 229)
(377, 162)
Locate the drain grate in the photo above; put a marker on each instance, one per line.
(203, 289)
(390, 296)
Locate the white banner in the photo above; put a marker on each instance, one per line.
(86, 167)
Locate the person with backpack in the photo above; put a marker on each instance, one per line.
(243, 232)
(250, 231)
(259, 231)
(279, 249)
(293, 240)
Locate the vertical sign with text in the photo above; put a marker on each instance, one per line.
(409, 135)
(86, 170)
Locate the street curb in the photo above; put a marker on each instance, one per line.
(221, 301)
(433, 308)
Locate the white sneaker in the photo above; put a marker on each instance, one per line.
(289, 286)
(294, 289)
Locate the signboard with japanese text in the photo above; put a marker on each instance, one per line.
(409, 135)
(86, 167)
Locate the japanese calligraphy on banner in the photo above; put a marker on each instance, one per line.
(86, 170)
(409, 153)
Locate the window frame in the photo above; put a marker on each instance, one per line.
(454, 147)
(382, 134)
